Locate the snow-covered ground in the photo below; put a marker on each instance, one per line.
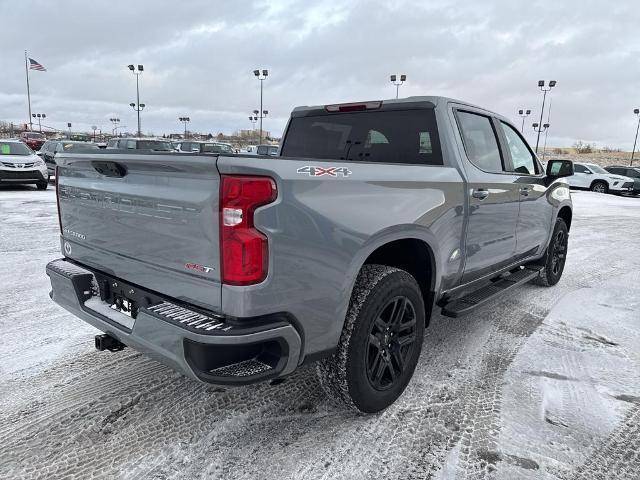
(541, 384)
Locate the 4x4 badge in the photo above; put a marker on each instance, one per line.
(328, 171)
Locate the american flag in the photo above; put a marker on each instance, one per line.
(33, 65)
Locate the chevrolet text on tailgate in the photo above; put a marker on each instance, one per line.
(235, 269)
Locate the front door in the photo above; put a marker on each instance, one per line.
(493, 197)
(581, 177)
(535, 217)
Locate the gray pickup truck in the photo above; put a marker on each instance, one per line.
(234, 269)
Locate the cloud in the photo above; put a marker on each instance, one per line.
(199, 56)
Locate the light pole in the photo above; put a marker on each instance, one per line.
(524, 114)
(539, 129)
(115, 122)
(39, 116)
(138, 108)
(546, 132)
(262, 76)
(403, 78)
(184, 120)
(253, 119)
(94, 128)
(637, 112)
(552, 83)
(137, 72)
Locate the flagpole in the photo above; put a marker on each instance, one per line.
(26, 69)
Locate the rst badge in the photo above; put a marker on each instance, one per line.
(197, 267)
(322, 171)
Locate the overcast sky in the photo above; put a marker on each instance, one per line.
(199, 57)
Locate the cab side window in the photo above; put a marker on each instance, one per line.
(521, 157)
(480, 141)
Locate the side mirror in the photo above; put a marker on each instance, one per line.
(39, 153)
(559, 168)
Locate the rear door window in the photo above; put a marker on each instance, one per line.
(480, 141)
(392, 136)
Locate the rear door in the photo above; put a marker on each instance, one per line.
(493, 196)
(147, 218)
(535, 215)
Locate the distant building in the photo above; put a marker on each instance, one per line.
(253, 133)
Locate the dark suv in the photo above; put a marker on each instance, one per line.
(631, 172)
(52, 147)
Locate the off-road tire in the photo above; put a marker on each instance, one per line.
(551, 272)
(599, 186)
(345, 375)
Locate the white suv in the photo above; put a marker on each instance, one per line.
(20, 165)
(589, 176)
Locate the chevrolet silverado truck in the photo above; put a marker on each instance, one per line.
(235, 269)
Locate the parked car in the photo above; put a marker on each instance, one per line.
(20, 165)
(589, 176)
(53, 147)
(216, 147)
(631, 172)
(192, 146)
(243, 269)
(140, 144)
(33, 140)
(272, 150)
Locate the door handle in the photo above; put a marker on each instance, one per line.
(480, 193)
(524, 191)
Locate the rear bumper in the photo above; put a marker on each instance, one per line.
(202, 345)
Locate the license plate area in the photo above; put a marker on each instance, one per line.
(125, 306)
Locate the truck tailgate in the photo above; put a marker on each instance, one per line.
(148, 218)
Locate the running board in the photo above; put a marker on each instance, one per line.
(469, 302)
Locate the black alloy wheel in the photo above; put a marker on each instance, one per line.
(391, 340)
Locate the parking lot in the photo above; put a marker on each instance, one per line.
(543, 383)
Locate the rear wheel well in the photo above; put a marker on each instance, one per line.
(566, 214)
(413, 256)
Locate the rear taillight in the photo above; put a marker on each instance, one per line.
(244, 252)
(58, 200)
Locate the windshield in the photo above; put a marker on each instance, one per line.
(154, 145)
(393, 136)
(14, 148)
(596, 168)
(78, 147)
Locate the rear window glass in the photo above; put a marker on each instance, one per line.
(216, 148)
(154, 145)
(403, 136)
(78, 147)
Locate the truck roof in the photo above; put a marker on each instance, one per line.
(422, 99)
(425, 100)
